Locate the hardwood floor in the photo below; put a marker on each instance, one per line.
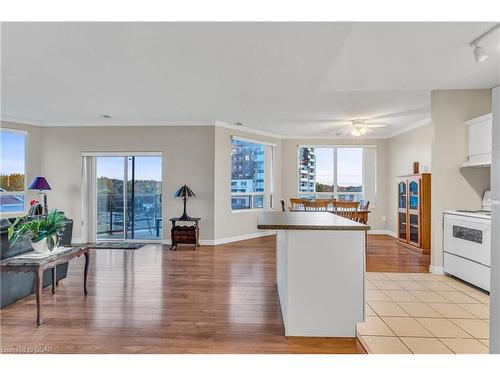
(386, 254)
(221, 299)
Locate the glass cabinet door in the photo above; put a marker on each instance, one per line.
(414, 229)
(402, 194)
(402, 216)
(403, 225)
(414, 195)
(413, 212)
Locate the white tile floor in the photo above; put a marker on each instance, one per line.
(422, 313)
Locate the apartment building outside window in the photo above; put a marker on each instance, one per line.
(331, 172)
(247, 175)
(252, 174)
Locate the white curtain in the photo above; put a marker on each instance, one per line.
(88, 201)
(370, 175)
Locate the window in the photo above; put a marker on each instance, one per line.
(349, 174)
(12, 171)
(331, 172)
(248, 175)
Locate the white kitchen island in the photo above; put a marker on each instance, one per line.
(320, 267)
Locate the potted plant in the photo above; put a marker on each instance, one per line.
(44, 231)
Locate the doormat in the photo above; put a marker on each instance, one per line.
(117, 245)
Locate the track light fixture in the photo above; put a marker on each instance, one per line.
(480, 54)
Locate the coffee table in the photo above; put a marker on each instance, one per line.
(37, 265)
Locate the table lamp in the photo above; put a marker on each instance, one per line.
(41, 184)
(184, 192)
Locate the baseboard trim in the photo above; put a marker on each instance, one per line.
(168, 241)
(436, 270)
(382, 231)
(222, 241)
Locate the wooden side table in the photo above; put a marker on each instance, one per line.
(182, 234)
(38, 265)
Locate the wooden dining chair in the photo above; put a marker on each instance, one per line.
(363, 205)
(353, 210)
(345, 205)
(317, 205)
(348, 214)
(297, 204)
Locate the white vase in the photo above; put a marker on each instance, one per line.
(41, 247)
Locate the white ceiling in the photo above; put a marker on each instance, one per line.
(294, 79)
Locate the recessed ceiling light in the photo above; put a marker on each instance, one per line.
(106, 116)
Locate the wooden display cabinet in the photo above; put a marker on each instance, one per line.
(414, 211)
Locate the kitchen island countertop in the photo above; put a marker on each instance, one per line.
(306, 221)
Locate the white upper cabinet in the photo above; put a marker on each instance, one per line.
(479, 141)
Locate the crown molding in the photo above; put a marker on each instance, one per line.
(22, 121)
(217, 123)
(245, 129)
(122, 124)
(347, 137)
(408, 128)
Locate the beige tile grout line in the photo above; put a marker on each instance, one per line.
(366, 347)
(395, 335)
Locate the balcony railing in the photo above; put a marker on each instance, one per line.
(143, 217)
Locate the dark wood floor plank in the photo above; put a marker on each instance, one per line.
(386, 254)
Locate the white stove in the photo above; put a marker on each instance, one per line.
(467, 245)
(480, 214)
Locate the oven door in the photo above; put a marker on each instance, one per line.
(468, 238)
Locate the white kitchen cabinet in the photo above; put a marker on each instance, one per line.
(479, 141)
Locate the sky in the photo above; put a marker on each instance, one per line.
(349, 164)
(146, 167)
(12, 152)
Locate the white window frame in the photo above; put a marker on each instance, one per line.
(335, 193)
(23, 193)
(268, 195)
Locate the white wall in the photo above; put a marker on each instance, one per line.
(188, 158)
(34, 156)
(454, 187)
(227, 223)
(402, 151)
(289, 172)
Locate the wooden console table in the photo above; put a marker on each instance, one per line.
(38, 265)
(185, 234)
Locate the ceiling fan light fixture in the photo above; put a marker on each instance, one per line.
(358, 131)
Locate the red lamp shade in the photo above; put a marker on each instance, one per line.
(39, 183)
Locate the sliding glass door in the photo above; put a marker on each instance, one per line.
(144, 197)
(128, 197)
(109, 190)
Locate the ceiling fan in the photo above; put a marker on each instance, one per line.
(358, 128)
